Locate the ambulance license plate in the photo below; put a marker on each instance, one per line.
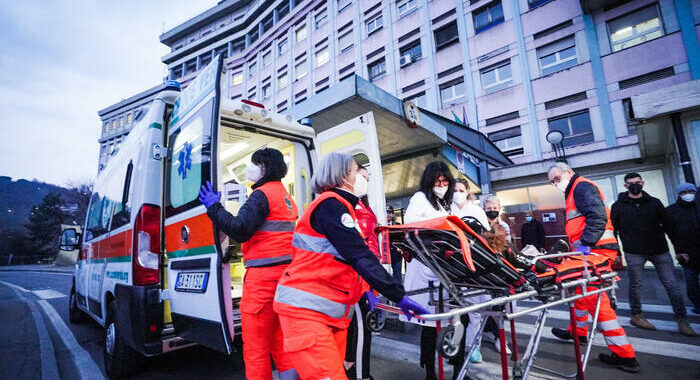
(194, 282)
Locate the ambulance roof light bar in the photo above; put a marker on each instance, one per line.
(252, 103)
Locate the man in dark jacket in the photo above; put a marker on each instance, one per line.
(685, 235)
(532, 232)
(640, 221)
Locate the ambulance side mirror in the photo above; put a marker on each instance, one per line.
(70, 240)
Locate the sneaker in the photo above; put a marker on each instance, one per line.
(476, 356)
(625, 364)
(685, 328)
(351, 372)
(497, 345)
(641, 322)
(564, 334)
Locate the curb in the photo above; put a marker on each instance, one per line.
(43, 270)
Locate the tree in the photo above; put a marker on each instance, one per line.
(79, 193)
(45, 225)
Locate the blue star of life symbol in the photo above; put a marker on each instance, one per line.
(184, 160)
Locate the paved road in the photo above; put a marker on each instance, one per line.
(37, 341)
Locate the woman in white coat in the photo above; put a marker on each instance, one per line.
(431, 201)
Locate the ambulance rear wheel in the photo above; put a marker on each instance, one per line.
(120, 360)
(75, 315)
(446, 346)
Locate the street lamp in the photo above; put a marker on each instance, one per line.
(556, 138)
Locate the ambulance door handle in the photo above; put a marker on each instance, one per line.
(185, 234)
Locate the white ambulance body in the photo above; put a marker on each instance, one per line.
(153, 270)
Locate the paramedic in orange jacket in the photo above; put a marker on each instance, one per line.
(590, 231)
(317, 292)
(264, 225)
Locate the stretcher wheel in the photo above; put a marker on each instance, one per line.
(447, 345)
(375, 320)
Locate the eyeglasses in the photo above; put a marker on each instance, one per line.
(442, 182)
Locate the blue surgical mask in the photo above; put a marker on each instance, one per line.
(528, 219)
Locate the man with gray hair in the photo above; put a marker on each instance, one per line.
(492, 207)
(590, 232)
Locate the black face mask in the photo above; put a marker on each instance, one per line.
(635, 189)
(492, 214)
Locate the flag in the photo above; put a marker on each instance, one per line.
(456, 118)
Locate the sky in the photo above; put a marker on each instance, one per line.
(61, 61)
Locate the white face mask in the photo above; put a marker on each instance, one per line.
(440, 191)
(253, 173)
(459, 198)
(359, 188)
(688, 197)
(563, 184)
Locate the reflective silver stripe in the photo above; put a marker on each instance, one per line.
(267, 261)
(617, 340)
(573, 214)
(608, 234)
(290, 374)
(581, 313)
(610, 325)
(277, 226)
(581, 324)
(315, 244)
(305, 300)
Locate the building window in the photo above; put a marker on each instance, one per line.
(488, 16)
(452, 92)
(446, 35)
(267, 24)
(254, 36)
(405, 6)
(105, 126)
(413, 51)
(266, 93)
(557, 56)
(114, 124)
(419, 99)
(376, 69)
(322, 57)
(121, 122)
(283, 10)
(300, 70)
(237, 79)
(536, 3)
(282, 47)
(509, 141)
(252, 68)
(267, 58)
(496, 77)
(128, 118)
(300, 33)
(282, 80)
(576, 128)
(343, 5)
(635, 28)
(345, 41)
(321, 18)
(374, 24)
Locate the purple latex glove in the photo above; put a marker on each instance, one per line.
(207, 195)
(408, 305)
(372, 300)
(586, 250)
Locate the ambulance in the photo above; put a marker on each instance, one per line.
(153, 270)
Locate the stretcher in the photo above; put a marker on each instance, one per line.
(466, 266)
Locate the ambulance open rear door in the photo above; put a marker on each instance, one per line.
(358, 137)
(198, 282)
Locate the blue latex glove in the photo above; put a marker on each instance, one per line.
(372, 300)
(207, 195)
(586, 250)
(408, 305)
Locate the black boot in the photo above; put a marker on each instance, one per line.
(625, 364)
(566, 335)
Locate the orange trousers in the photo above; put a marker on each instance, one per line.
(317, 349)
(613, 333)
(260, 326)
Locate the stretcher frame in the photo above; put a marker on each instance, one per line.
(501, 308)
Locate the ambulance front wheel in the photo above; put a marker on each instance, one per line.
(447, 343)
(75, 315)
(120, 360)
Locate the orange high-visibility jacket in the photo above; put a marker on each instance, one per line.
(318, 284)
(576, 221)
(272, 242)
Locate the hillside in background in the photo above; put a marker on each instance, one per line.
(17, 198)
